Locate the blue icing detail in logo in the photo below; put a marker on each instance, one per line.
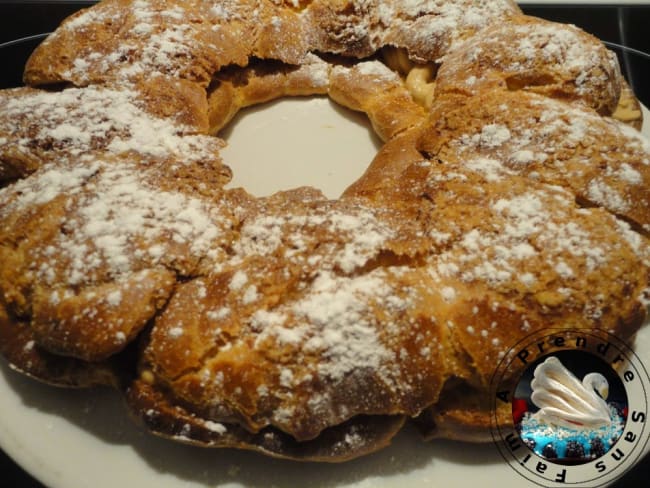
(560, 442)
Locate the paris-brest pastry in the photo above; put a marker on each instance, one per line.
(511, 195)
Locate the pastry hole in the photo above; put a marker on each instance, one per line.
(397, 59)
(295, 142)
(419, 78)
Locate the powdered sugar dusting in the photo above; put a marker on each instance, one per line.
(492, 135)
(51, 183)
(317, 70)
(116, 221)
(86, 17)
(555, 142)
(371, 71)
(528, 231)
(334, 324)
(561, 45)
(559, 60)
(160, 41)
(375, 70)
(603, 194)
(364, 235)
(437, 24)
(76, 121)
(336, 308)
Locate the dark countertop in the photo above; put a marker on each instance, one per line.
(626, 25)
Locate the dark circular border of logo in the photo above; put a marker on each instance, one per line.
(622, 456)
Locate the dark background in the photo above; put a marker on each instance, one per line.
(627, 25)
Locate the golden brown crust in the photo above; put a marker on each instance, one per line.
(86, 244)
(123, 39)
(464, 414)
(602, 161)
(502, 203)
(157, 119)
(366, 86)
(282, 360)
(386, 168)
(19, 347)
(98, 328)
(505, 248)
(531, 54)
(235, 88)
(360, 436)
(372, 88)
(422, 28)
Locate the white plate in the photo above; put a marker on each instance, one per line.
(77, 439)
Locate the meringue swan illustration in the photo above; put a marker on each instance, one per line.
(564, 400)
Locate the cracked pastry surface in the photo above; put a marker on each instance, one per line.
(504, 200)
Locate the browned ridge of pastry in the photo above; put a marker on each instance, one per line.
(509, 197)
